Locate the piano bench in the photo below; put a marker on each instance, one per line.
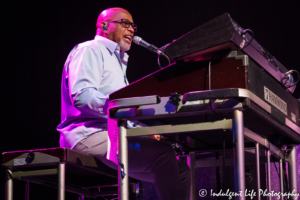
(64, 169)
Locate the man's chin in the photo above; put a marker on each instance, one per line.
(124, 45)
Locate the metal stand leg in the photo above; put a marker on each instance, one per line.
(281, 177)
(132, 191)
(123, 183)
(191, 161)
(257, 169)
(61, 181)
(27, 190)
(269, 171)
(239, 158)
(293, 171)
(8, 185)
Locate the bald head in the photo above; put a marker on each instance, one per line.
(110, 14)
(110, 25)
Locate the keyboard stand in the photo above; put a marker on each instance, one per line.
(234, 102)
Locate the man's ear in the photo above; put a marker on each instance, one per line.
(104, 26)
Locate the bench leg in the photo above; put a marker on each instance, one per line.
(8, 185)
(61, 181)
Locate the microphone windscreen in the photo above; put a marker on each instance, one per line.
(137, 39)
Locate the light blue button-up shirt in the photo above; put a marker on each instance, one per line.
(91, 72)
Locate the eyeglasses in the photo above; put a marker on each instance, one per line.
(125, 23)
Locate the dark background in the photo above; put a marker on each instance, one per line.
(36, 37)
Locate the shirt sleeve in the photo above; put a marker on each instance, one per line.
(84, 76)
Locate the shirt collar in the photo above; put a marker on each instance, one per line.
(110, 45)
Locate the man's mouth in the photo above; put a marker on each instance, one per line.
(128, 38)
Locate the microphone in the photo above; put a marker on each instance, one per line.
(138, 40)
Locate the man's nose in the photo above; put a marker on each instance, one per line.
(131, 29)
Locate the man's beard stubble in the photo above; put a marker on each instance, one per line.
(124, 45)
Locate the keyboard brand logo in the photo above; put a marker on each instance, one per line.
(275, 100)
(20, 161)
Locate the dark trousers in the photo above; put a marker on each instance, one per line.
(148, 160)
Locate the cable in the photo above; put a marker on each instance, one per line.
(252, 36)
(288, 80)
(211, 107)
(284, 181)
(158, 59)
(162, 49)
